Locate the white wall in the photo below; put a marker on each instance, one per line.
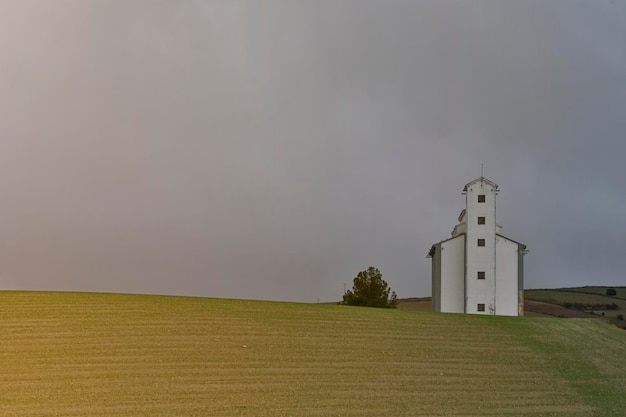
(452, 275)
(506, 277)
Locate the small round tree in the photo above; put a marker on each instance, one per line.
(611, 291)
(369, 289)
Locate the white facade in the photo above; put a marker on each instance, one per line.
(452, 297)
(477, 270)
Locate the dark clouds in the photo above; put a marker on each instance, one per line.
(272, 150)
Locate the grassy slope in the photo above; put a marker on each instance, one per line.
(123, 355)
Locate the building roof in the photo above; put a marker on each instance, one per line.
(431, 252)
(462, 215)
(481, 179)
(511, 240)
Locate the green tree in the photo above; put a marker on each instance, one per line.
(369, 289)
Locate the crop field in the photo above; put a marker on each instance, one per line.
(620, 291)
(419, 304)
(78, 354)
(594, 295)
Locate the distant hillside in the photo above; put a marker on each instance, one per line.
(578, 302)
(72, 354)
(589, 302)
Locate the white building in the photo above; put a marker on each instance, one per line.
(477, 270)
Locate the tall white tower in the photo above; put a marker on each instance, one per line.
(480, 247)
(478, 270)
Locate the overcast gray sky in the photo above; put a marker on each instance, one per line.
(274, 149)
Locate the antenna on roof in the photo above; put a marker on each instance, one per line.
(481, 169)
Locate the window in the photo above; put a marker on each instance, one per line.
(481, 274)
(481, 198)
(481, 307)
(481, 242)
(481, 220)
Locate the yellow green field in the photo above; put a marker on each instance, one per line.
(77, 354)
